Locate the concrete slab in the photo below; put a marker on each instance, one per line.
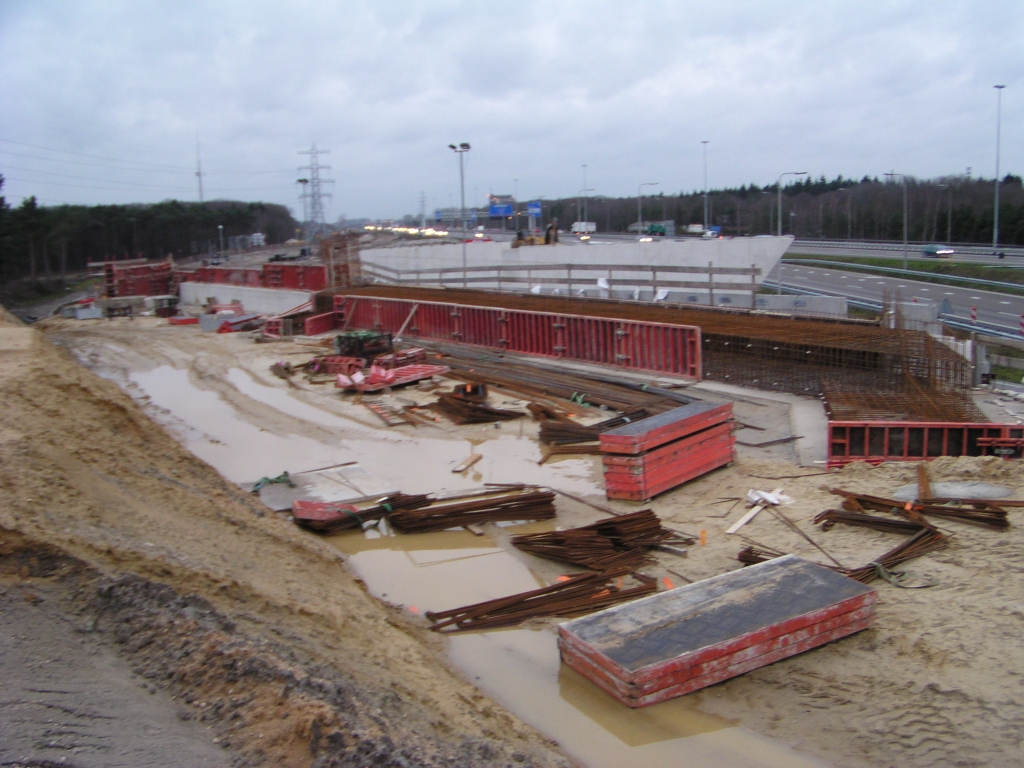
(349, 483)
(806, 415)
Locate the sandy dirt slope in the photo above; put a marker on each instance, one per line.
(327, 674)
(936, 682)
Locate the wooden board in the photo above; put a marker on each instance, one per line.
(687, 638)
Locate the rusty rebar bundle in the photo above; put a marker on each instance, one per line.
(830, 517)
(575, 596)
(491, 506)
(980, 512)
(921, 543)
(465, 411)
(561, 433)
(620, 541)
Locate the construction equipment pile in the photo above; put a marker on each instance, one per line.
(910, 517)
(423, 513)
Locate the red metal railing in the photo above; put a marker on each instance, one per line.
(878, 441)
(661, 347)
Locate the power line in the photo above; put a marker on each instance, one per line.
(135, 188)
(95, 157)
(170, 169)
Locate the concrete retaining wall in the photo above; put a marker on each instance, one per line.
(804, 305)
(266, 301)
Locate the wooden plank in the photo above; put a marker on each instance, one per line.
(468, 462)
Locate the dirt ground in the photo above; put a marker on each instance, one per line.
(261, 633)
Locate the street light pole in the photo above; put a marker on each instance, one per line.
(949, 217)
(460, 151)
(705, 143)
(585, 190)
(220, 233)
(778, 184)
(639, 208)
(903, 180)
(999, 116)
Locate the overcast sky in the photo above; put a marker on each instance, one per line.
(102, 102)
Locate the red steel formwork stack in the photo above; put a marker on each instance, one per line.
(662, 347)
(878, 441)
(681, 640)
(307, 277)
(653, 455)
(138, 279)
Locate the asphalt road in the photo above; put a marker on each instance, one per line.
(995, 308)
(968, 253)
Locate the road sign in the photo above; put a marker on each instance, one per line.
(499, 210)
(533, 209)
(974, 314)
(438, 215)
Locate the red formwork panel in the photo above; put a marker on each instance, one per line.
(138, 279)
(767, 653)
(318, 324)
(653, 455)
(647, 486)
(684, 448)
(646, 434)
(661, 347)
(878, 441)
(687, 638)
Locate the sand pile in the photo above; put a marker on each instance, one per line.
(214, 600)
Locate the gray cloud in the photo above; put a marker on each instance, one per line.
(537, 88)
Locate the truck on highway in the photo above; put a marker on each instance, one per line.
(584, 227)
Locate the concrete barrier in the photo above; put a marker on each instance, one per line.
(266, 301)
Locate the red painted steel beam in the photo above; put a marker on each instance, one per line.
(647, 346)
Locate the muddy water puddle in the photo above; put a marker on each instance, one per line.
(519, 668)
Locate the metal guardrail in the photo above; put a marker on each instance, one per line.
(908, 273)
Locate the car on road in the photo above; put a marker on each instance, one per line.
(934, 251)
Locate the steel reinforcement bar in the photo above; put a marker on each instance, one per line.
(647, 346)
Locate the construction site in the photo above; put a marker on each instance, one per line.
(540, 509)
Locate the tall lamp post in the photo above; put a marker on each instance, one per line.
(999, 116)
(779, 185)
(903, 181)
(639, 208)
(705, 143)
(220, 234)
(460, 150)
(949, 214)
(849, 211)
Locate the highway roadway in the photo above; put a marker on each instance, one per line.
(998, 309)
(888, 250)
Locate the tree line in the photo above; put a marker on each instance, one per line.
(955, 208)
(47, 242)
